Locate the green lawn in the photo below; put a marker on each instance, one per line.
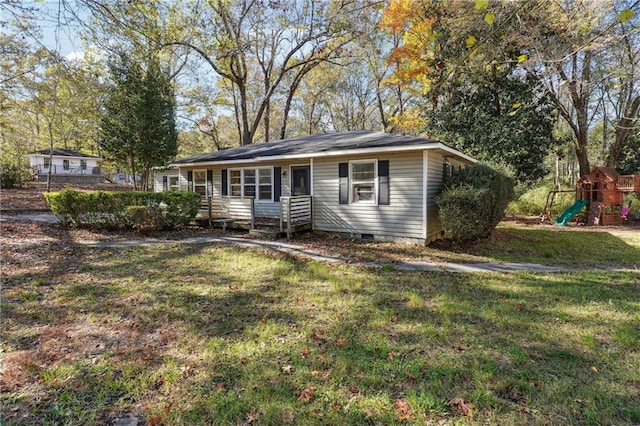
(519, 243)
(206, 334)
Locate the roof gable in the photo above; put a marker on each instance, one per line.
(608, 173)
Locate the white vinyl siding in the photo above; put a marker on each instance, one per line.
(403, 217)
(173, 181)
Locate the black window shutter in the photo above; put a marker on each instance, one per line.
(165, 183)
(209, 182)
(343, 176)
(225, 189)
(308, 181)
(190, 181)
(277, 183)
(383, 182)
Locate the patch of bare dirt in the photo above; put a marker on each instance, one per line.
(31, 197)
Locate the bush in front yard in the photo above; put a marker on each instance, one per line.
(474, 200)
(12, 175)
(127, 209)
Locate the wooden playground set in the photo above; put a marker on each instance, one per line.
(599, 199)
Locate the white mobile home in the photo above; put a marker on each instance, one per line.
(365, 184)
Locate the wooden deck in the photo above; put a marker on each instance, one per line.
(629, 183)
(239, 213)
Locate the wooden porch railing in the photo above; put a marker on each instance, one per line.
(296, 213)
(228, 210)
(629, 183)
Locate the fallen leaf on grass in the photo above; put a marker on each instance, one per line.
(305, 353)
(594, 369)
(403, 411)
(155, 420)
(306, 395)
(219, 387)
(287, 369)
(341, 341)
(462, 407)
(252, 417)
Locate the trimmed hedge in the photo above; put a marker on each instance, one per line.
(145, 211)
(473, 201)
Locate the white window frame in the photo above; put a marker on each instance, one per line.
(175, 187)
(206, 192)
(66, 165)
(353, 182)
(231, 185)
(83, 164)
(242, 184)
(258, 184)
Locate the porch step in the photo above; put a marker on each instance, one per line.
(273, 234)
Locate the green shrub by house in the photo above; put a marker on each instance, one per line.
(474, 200)
(146, 211)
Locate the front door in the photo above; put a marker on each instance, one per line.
(300, 180)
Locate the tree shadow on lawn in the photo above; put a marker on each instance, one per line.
(525, 348)
(133, 314)
(204, 334)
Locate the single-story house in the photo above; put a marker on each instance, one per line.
(365, 184)
(66, 165)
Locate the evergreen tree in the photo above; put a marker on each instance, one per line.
(137, 128)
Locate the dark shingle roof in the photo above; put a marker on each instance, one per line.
(309, 145)
(64, 153)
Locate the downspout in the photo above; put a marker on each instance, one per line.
(425, 192)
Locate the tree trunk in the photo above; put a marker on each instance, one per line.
(581, 153)
(622, 132)
(50, 128)
(132, 163)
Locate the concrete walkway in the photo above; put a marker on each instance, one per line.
(34, 217)
(297, 250)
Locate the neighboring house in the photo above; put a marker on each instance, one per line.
(124, 178)
(364, 184)
(66, 166)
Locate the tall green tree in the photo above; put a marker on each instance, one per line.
(137, 128)
(498, 116)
